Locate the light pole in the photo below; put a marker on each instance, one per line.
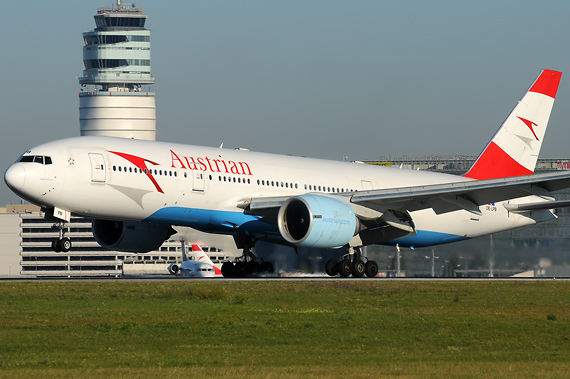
(433, 258)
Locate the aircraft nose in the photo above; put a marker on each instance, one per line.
(15, 177)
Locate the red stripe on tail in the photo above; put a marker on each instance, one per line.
(547, 83)
(495, 163)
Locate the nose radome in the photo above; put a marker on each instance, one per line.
(15, 177)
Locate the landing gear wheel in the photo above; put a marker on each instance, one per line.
(267, 267)
(55, 245)
(358, 269)
(65, 244)
(228, 270)
(253, 267)
(371, 269)
(345, 268)
(240, 269)
(331, 267)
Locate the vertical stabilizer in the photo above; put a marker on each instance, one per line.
(514, 149)
(202, 257)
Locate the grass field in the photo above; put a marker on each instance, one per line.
(290, 329)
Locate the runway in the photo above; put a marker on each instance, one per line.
(160, 278)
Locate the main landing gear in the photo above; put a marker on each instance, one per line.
(62, 243)
(248, 264)
(352, 264)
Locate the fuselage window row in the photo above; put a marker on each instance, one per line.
(146, 171)
(228, 179)
(232, 179)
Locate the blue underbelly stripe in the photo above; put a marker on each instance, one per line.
(233, 222)
(425, 238)
(216, 221)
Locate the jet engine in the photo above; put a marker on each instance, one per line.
(173, 269)
(135, 237)
(316, 221)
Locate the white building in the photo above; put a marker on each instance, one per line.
(25, 249)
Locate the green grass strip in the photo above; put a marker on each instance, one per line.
(285, 329)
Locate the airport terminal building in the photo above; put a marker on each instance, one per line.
(25, 250)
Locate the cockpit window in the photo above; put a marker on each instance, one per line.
(41, 159)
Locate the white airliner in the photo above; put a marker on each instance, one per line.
(200, 266)
(136, 190)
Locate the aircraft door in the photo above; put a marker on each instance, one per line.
(198, 181)
(97, 168)
(366, 185)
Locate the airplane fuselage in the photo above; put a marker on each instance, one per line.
(206, 188)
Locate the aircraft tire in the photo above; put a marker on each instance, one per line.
(240, 270)
(331, 267)
(371, 269)
(253, 267)
(55, 246)
(267, 267)
(345, 268)
(358, 268)
(65, 244)
(228, 270)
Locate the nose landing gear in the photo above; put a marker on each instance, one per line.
(62, 243)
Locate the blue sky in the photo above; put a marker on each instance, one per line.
(323, 79)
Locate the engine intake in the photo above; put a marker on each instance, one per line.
(134, 237)
(316, 221)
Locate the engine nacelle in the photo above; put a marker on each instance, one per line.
(316, 221)
(134, 237)
(173, 269)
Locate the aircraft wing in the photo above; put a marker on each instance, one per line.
(442, 198)
(467, 195)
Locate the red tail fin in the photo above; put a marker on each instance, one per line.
(514, 149)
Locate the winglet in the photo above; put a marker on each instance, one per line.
(514, 149)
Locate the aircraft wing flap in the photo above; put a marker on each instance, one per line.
(463, 195)
(259, 203)
(518, 208)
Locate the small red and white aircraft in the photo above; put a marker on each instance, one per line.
(136, 190)
(199, 266)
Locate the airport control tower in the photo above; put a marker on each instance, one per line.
(116, 55)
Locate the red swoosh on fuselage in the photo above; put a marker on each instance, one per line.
(140, 163)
